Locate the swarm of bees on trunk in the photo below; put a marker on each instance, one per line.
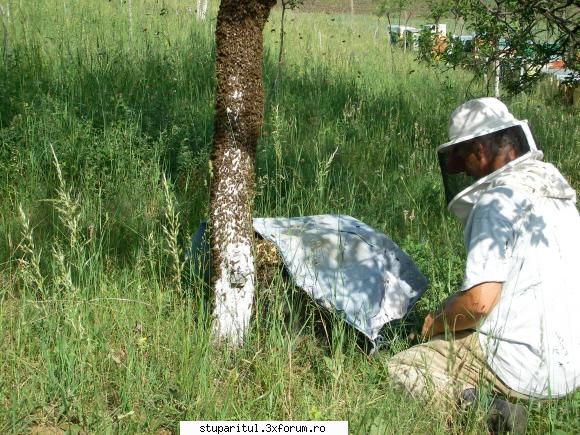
(271, 276)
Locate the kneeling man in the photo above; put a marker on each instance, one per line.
(511, 328)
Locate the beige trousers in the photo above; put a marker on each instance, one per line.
(442, 368)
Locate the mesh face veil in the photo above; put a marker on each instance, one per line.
(483, 120)
(452, 159)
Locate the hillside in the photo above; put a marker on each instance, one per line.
(361, 7)
(358, 7)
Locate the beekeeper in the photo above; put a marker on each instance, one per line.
(511, 328)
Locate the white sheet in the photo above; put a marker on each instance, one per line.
(347, 266)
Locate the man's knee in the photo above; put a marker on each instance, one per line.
(407, 378)
(423, 372)
(417, 372)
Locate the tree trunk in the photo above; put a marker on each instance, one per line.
(497, 73)
(238, 118)
(281, 51)
(130, 5)
(5, 12)
(201, 9)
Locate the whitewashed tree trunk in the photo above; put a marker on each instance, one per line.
(238, 119)
(5, 12)
(130, 5)
(201, 9)
(485, 76)
(234, 284)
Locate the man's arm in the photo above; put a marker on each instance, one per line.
(462, 310)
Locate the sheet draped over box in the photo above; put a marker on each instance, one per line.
(346, 266)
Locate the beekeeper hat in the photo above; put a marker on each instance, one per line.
(477, 118)
(473, 119)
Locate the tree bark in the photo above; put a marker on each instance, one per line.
(238, 118)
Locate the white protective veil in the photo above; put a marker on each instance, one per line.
(474, 119)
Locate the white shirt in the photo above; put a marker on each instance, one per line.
(526, 234)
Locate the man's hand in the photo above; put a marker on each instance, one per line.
(462, 310)
(426, 330)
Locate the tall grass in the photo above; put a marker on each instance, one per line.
(105, 127)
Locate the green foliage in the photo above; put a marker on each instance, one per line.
(439, 8)
(521, 37)
(104, 146)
